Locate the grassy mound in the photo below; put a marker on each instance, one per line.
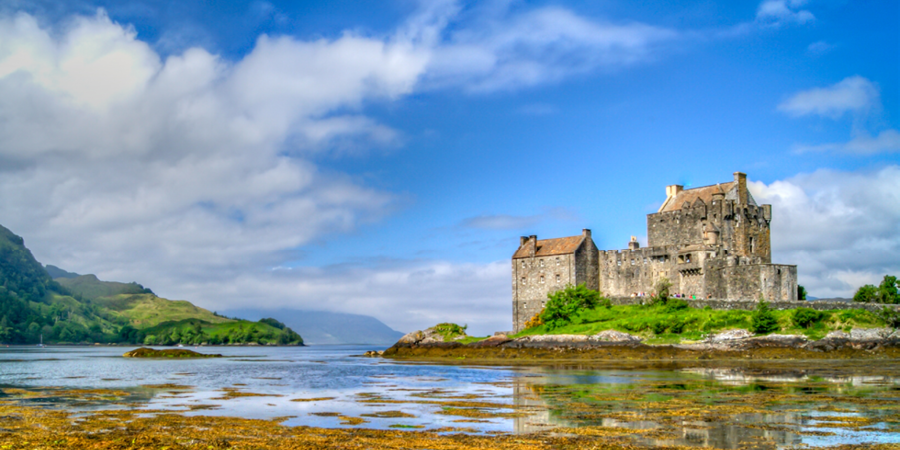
(676, 322)
(145, 352)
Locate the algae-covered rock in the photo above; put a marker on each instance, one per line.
(145, 352)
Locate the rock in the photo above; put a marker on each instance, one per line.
(412, 338)
(616, 336)
(145, 352)
(730, 335)
(869, 334)
(373, 353)
(493, 341)
(837, 334)
(774, 340)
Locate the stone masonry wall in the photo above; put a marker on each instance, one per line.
(533, 279)
(749, 305)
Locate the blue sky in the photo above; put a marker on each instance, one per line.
(383, 157)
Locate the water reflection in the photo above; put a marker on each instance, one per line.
(727, 408)
(761, 405)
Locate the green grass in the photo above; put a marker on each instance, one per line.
(659, 325)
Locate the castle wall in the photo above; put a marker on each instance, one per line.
(534, 278)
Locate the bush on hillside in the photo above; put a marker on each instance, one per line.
(763, 320)
(806, 317)
(890, 316)
(676, 304)
(563, 305)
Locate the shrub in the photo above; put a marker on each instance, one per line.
(886, 292)
(763, 320)
(662, 291)
(806, 317)
(534, 321)
(866, 294)
(891, 316)
(450, 330)
(677, 327)
(659, 327)
(801, 292)
(563, 305)
(676, 304)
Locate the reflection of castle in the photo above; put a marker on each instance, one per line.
(692, 433)
(710, 242)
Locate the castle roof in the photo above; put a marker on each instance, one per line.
(549, 247)
(704, 193)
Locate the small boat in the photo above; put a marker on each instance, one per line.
(41, 345)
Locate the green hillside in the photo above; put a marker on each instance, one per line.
(77, 309)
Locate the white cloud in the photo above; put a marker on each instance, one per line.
(842, 229)
(191, 173)
(819, 48)
(405, 295)
(854, 94)
(780, 12)
(888, 141)
(504, 49)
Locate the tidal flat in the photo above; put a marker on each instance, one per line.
(326, 397)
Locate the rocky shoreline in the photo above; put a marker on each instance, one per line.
(610, 344)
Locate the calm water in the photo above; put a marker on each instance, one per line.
(324, 385)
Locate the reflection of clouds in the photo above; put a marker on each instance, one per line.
(740, 377)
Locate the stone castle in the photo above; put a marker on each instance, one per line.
(709, 242)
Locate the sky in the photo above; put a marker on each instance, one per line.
(383, 157)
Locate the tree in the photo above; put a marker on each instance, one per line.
(801, 292)
(763, 319)
(563, 305)
(887, 290)
(866, 294)
(662, 290)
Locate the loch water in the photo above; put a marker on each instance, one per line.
(760, 405)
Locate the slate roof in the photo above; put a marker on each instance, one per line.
(691, 195)
(548, 247)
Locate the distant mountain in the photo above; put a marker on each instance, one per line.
(321, 327)
(56, 272)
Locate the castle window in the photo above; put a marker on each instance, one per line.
(523, 264)
(680, 259)
(523, 280)
(645, 260)
(687, 258)
(752, 245)
(632, 262)
(542, 263)
(542, 279)
(619, 262)
(557, 278)
(557, 260)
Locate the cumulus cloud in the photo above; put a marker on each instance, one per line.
(840, 228)
(131, 166)
(855, 95)
(192, 174)
(781, 12)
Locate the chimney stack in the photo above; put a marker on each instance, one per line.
(740, 179)
(634, 244)
(586, 232)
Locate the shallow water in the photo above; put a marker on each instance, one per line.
(779, 405)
